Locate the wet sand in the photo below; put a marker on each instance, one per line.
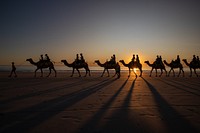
(99, 104)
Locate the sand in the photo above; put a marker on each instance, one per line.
(99, 104)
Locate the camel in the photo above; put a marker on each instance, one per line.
(107, 66)
(156, 66)
(192, 65)
(42, 64)
(132, 65)
(76, 66)
(174, 65)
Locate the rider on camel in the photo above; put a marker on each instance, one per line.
(41, 57)
(137, 59)
(82, 60)
(177, 61)
(47, 58)
(112, 60)
(133, 59)
(77, 60)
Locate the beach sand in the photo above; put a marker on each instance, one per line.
(97, 104)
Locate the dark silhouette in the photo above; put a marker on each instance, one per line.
(133, 59)
(82, 60)
(77, 60)
(156, 66)
(42, 64)
(13, 70)
(137, 59)
(47, 58)
(41, 57)
(107, 65)
(77, 66)
(112, 60)
(175, 64)
(192, 65)
(178, 60)
(132, 65)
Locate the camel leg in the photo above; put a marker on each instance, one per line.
(86, 71)
(89, 71)
(129, 72)
(183, 73)
(115, 73)
(55, 72)
(135, 73)
(190, 72)
(179, 72)
(78, 72)
(72, 73)
(49, 72)
(169, 72)
(108, 73)
(195, 72)
(103, 72)
(173, 73)
(140, 72)
(41, 73)
(151, 72)
(156, 72)
(35, 72)
(165, 72)
(161, 73)
(118, 75)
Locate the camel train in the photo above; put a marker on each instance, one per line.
(112, 64)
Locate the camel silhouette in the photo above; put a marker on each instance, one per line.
(42, 64)
(107, 66)
(132, 65)
(78, 66)
(192, 65)
(156, 66)
(173, 65)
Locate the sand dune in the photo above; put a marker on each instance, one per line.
(99, 104)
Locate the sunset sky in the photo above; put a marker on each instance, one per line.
(98, 29)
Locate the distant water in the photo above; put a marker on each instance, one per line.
(31, 68)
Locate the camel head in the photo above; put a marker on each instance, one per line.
(96, 61)
(30, 59)
(63, 61)
(165, 61)
(146, 62)
(121, 61)
(185, 60)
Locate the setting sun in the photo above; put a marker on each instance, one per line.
(135, 70)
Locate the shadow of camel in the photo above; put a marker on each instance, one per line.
(120, 120)
(91, 124)
(26, 119)
(173, 120)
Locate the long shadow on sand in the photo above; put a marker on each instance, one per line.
(121, 121)
(173, 120)
(27, 82)
(180, 88)
(26, 119)
(91, 124)
(182, 83)
(50, 90)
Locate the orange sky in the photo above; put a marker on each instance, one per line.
(99, 29)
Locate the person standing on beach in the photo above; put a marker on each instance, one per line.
(13, 70)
